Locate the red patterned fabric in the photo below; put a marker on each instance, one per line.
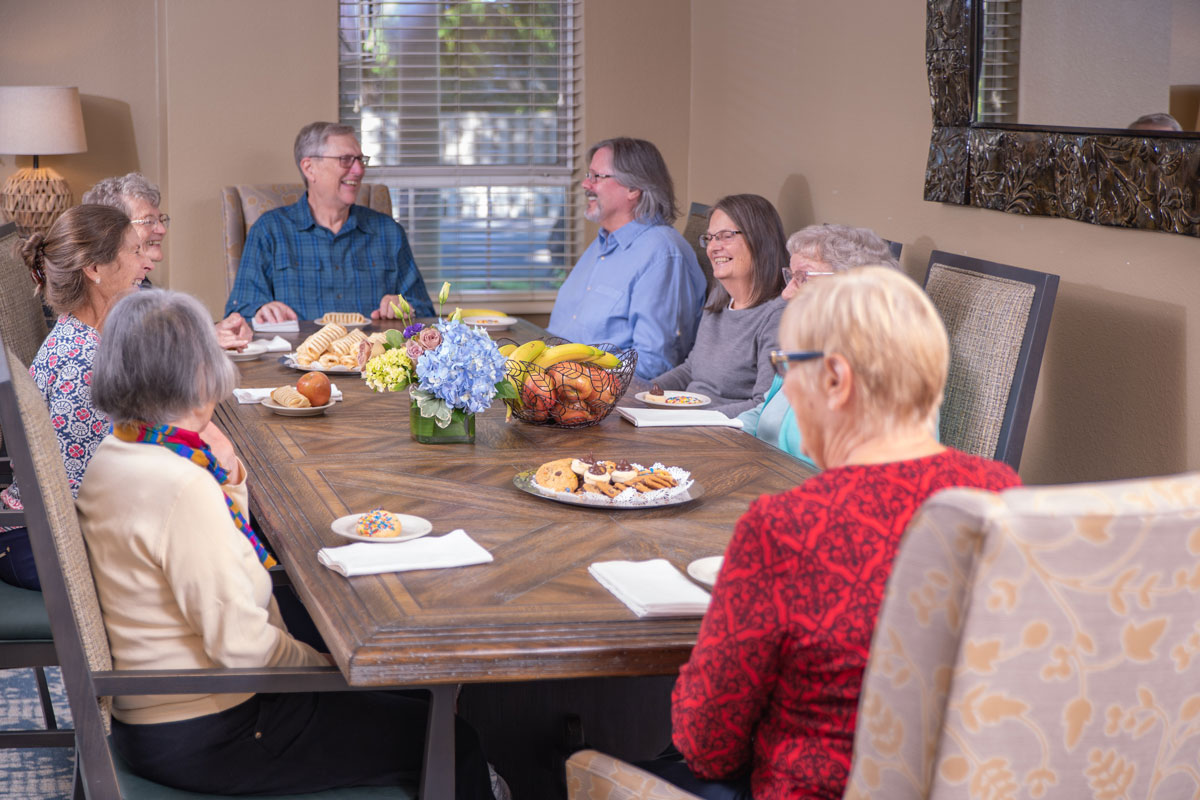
(775, 676)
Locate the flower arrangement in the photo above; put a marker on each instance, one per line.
(450, 369)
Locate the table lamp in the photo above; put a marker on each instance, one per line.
(38, 120)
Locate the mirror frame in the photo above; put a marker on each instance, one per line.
(1101, 176)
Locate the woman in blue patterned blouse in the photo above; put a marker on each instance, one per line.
(90, 258)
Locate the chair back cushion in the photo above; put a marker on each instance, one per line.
(697, 223)
(592, 775)
(242, 205)
(51, 479)
(985, 318)
(22, 323)
(1039, 643)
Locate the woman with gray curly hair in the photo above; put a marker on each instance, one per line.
(140, 199)
(816, 251)
(182, 582)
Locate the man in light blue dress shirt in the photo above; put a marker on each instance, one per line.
(638, 284)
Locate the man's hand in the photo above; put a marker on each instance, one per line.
(385, 310)
(233, 332)
(274, 311)
(222, 450)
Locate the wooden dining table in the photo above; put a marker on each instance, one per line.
(534, 613)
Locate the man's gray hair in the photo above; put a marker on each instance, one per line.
(842, 247)
(117, 192)
(159, 359)
(310, 141)
(637, 164)
(1160, 121)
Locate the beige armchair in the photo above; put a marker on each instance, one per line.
(242, 205)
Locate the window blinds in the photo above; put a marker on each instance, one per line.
(470, 114)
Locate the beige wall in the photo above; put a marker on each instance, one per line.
(824, 109)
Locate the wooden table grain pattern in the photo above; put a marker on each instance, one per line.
(535, 612)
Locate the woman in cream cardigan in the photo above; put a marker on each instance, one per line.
(183, 584)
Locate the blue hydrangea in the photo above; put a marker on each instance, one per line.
(464, 369)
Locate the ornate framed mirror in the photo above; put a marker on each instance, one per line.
(1104, 176)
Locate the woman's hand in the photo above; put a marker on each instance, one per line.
(222, 450)
(233, 333)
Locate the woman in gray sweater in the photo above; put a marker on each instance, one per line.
(730, 361)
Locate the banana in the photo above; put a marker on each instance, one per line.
(506, 349)
(529, 351)
(482, 312)
(603, 359)
(572, 351)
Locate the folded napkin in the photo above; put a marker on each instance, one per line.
(246, 396)
(455, 549)
(651, 588)
(675, 417)
(277, 345)
(289, 326)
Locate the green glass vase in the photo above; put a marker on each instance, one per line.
(425, 430)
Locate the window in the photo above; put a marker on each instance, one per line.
(470, 114)
(1000, 60)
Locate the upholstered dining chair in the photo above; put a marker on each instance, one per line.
(696, 224)
(82, 644)
(998, 318)
(242, 205)
(1041, 642)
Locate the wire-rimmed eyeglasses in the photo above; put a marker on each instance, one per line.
(150, 222)
(720, 236)
(782, 360)
(595, 177)
(346, 161)
(802, 274)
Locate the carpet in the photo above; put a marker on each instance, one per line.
(43, 773)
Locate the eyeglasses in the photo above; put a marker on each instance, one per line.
(150, 222)
(345, 162)
(802, 274)
(595, 176)
(720, 236)
(781, 360)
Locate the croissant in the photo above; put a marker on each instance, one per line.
(289, 397)
(319, 342)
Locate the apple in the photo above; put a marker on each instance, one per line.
(314, 386)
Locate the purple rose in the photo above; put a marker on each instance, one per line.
(414, 349)
(412, 330)
(430, 338)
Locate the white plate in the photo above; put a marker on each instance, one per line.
(289, 360)
(704, 570)
(662, 400)
(410, 528)
(347, 325)
(249, 353)
(288, 411)
(491, 323)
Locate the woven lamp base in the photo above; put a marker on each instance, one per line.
(34, 197)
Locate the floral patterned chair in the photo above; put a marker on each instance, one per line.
(242, 205)
(1043, 642)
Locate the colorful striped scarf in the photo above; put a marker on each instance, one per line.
(189, 445)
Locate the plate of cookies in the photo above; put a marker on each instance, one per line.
(673, 399)
(588, 481)
(347, 319)
(378, 525)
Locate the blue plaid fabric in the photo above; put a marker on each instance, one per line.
(290, 258)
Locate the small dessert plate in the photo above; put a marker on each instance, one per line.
(491, 323)
(289, 411)
(670, 399)
(410, 528)
(249, 353)
(704, 570)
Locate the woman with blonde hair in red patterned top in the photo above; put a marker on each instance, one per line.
(765, 707)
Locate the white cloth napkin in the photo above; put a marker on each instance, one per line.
(276, 345)
(247, 396)
(288, 326)
(455, 549)
(676, 417)
(651, 588)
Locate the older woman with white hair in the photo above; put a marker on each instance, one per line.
(140, 200)
(182, 582)
(815, 252)
(765, 706)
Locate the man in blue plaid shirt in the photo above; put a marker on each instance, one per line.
(324, 253)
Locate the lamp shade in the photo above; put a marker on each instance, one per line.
(41, 120)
